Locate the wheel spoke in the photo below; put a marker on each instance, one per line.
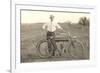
(43, 50)
(76, 50)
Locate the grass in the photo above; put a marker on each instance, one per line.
(35, 32)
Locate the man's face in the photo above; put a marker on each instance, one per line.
(52, 19)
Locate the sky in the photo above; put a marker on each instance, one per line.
(42, 16)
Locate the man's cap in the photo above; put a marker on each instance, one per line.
(51, 16)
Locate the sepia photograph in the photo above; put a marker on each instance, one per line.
(54, 35)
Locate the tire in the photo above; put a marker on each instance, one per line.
(75, 50)
(42, 49)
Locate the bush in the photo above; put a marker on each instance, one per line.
(84, 21)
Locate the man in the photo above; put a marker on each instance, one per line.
(51, 28)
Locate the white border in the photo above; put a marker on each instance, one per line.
(16, 66)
